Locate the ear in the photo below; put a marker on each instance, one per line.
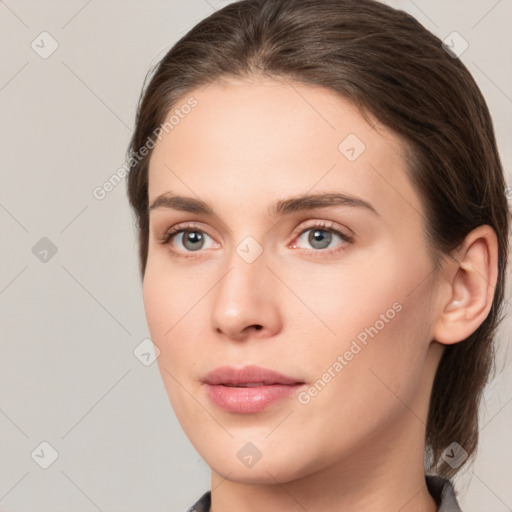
(467, 287)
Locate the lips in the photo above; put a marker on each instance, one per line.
(248, 376)
(249, 389)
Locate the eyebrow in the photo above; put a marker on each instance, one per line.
(279, 208)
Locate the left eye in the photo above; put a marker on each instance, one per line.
(320, 238)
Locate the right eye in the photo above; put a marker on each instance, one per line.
(187, 238)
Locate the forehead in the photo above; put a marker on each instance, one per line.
(261, 140)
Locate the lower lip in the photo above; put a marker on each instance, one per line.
(249, 400)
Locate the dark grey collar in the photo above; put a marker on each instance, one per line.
(441, 489)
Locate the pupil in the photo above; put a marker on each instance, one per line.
(193, 237)
(320, 239)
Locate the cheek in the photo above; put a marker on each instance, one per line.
(337, 302)
(166, 314)
(371, 330)
(362, 378)
(176, 309)
(169, 314)
(170, 296)
(383, 357)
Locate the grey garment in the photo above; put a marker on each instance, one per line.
(441, 489)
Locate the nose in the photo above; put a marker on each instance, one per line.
(245, 301)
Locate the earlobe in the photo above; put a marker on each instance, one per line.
(470, 279)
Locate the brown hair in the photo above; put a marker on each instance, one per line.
(386, 63)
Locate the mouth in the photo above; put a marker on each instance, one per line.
(249, 389)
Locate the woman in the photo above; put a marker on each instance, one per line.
(323, 243)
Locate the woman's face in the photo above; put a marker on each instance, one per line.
(335, 294)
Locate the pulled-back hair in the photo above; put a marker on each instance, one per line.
(388, 65)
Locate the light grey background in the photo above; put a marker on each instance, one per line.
(69, 325)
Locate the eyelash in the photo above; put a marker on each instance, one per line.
(319, 225)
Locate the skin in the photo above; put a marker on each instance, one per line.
(359, 443)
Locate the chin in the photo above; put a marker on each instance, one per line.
(259, 474)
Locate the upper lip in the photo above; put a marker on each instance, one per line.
(246, 375)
